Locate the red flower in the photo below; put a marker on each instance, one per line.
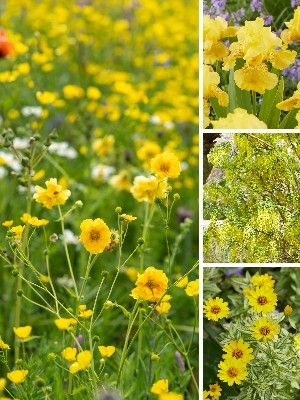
(6, 47)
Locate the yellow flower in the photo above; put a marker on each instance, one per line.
(150, 285)
(264, 329)
(46, 97)
(72, 92)
(239, 119)
(216, 309)
(293, 32)
(64, 323)
(83, 361)
(206, 394)
(148, 151)
(155, 357)
(132, 273)
(239, 350)
(211, 80)
(148, 189)
(215, 390)
(104, 146)
(38, 175)
(292, 102)
(192, 288)
(17, 231)
(232, 371)
(23, 332)
(128, 217)
(83, 312)
(263, 281)
(297, 343)
(69, 353)
(166, 165)
(44, 278)
(121, 181)
(2, 384)
(182, 283)
(18, 376)
(93, 93)
(164, 306)
(7, 223)
(288, 310)
(95, 235)
(3, 345)
(33, 221)
(281, 59)
(53, 195)
(106, 351)
(255, 77)
(262, 300)
(160, 386)
(170, 396)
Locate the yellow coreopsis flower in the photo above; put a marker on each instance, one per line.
(239, 350)
(264, 329)
(128, 217)
(23, 332)
(216, 309)
(192, 288)
(262, 300)
(95, 235)
(215, 390)
(148, 189)
(232, 371)
(83, 361)
(17, 376)
(69, 353)
(239, 119)
(166, 165)
(150, 285)
(255, 77)
(160, 386)
(263, 281)
(7, 223)
(148, 151)
(106, 351)
(46, 97)
(54, 194)
(288, 310)
(64, 323)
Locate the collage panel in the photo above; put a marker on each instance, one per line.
(251, 198)
(251, 341)
(251, 65)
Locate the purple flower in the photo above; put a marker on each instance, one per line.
(293, 72)
(295, 3)
(256, 5)
(234, 271)
(180, 361)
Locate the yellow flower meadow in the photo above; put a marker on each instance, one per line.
(53, 195)
(150, 285)
(95, 235)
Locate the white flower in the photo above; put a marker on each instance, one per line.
(20, 143)
(3, 172)
(31, 110)
(63, 149)
(10, 161)
(65, 281)
(102, 171)
(70, 237)
(169, 125)
(154, 119)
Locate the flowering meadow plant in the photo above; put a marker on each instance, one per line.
(98, 181)
(252, 349)
(250, 70)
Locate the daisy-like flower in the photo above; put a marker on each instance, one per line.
(265, 281)
(239, 350)
(264, 329)
(216, 309)
(23, 332)
(170, 396)
(148, 189)
(7, 223)
(95, 235)
(262, 300)
(33, 221)
(150, 285)
(106, 351)
(288, 310)
(215, 390)
(53, 195)
(232, 371)
(164, 306)
(83, 361)
(128, 217)
(18, 376)
(165, 165)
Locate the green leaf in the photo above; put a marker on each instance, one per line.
(231, 92)
(269, 113)
(220, 112)
(289, 121)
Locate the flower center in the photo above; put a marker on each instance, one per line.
(232, 372)
(264, 330)
(165, 167)
(151, 284)
(237, 353)
(262, 300)
(94, 235)
(215, 309)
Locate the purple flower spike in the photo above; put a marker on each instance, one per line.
(180, 361)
